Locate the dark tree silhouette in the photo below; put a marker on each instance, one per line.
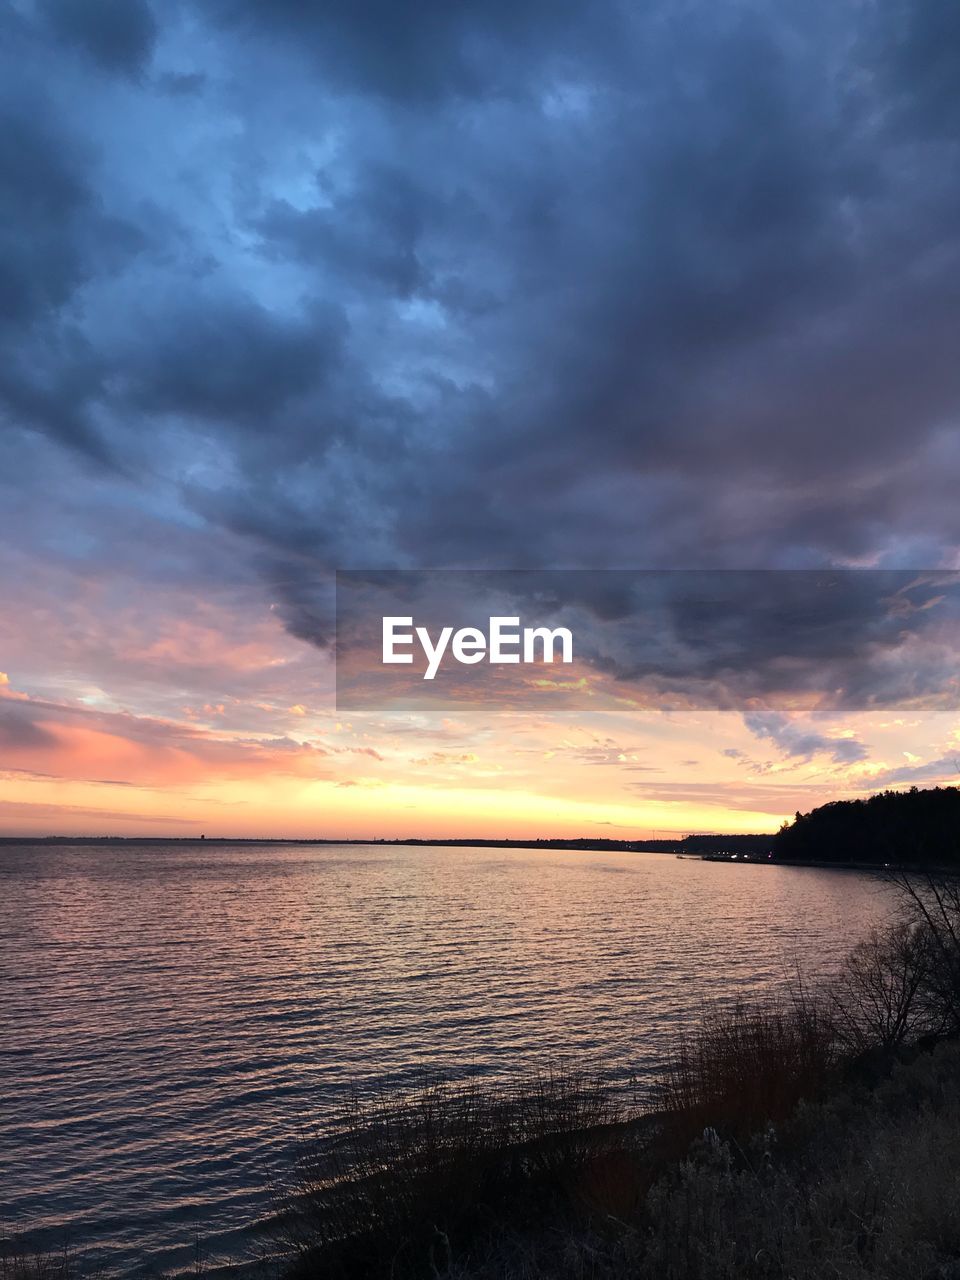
(909, 828)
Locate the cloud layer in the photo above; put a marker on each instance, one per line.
(289, 288)
(508, 284)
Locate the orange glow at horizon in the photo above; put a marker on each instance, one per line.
(601, 766)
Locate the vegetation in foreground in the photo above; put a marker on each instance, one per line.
(863, 1184)
(810, 1138)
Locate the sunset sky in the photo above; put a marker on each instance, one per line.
(286, 289)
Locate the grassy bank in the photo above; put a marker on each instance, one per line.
(865, 1183)
(861, 1180)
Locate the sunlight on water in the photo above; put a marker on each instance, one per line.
(174, 1015)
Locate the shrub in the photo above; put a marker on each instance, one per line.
(747, 1066)
(931, 903)
(870, 1193)
(402, 1180)
(880, 998)
(20, 1262)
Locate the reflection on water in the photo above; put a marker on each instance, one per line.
(172, 1015)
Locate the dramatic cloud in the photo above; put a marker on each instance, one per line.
(830, 640)
(426, 53)
(498, 284)
(286, 288)
(117, 34)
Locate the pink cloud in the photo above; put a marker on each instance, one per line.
(81, 744)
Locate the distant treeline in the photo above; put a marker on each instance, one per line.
(742, 844)
(910, 827)
(679, 844)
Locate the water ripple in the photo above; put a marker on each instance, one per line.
(174, 1017)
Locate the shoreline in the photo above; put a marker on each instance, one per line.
(559, 846)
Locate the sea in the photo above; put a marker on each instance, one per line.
(177, 1019)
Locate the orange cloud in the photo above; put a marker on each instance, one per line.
(83, 745)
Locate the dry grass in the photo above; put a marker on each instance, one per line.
(748, 1066)
(791, 1173)
(865, 1186)
(405, 1187)
(403, 1183)
(19, 1262)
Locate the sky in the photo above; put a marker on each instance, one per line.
(293, 288)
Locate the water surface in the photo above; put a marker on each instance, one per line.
(172, 1015)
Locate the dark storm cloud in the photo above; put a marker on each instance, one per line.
(922, 63)
(233, 363)
(854, 638)
(422, 52)
(839, 641)
(117, 34)
(844, 641)
(369, 237)
(45, 191)
(56, 236)
(519, 284)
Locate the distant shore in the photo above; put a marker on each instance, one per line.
(679, 846)
(560, 846)
(914, 829)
